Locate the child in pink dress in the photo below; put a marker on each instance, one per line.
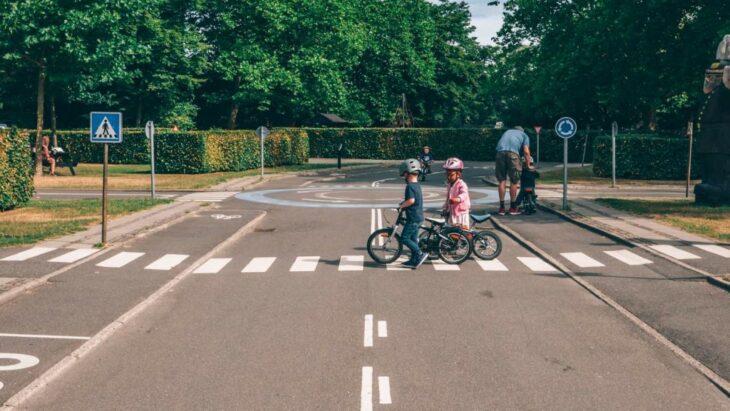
(457, 202)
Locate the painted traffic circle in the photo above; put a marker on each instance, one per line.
(21, 361)
(356, 196)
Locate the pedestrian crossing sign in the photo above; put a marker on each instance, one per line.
(106, 127)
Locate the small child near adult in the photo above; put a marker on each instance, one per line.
(457, 203)
(413, 206)
(527, 196)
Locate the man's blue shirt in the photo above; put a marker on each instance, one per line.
(513, 140)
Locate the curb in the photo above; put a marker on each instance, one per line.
(711, 278)
(107, 332)
(714, 378)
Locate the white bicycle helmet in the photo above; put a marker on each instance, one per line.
(454, 163)
(409, 166)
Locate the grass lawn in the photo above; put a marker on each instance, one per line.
(584, 175)
(137, 177)
(43, 219)
(712, 222)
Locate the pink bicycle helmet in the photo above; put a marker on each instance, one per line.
(454, 163)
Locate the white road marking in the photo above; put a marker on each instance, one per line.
(1, 386)
(372, 220)
(212, 266)
(439, 265)
(384, 390)
(207, 196)
(304, 264)
(714, 249)
(674, 252)
(627, 257)
(397, 265)
(259, 265)
(351, 263)
(167, 262)
(367, 339)
(366, 393)
(23, 361)
(382, 329)
(582, 260)
(44, 337)
(73, 256)
(120, 260)
(306, 183)
(492, 265)
(379, 221)
(28, 254)
(537, 264)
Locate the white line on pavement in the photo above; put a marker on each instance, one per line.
(397, 265)
(714, 249)
(492, 265)
(366, 393)
(351, 263)
(212, 266)
(384, 390)
(372, 220)
(120, 260)
(27, 254)
(368, 334)
(73, 256)
(627, 257)
(674, 252)
(259, 265)
(303, 264)
(537, 264)
(582, 260)
(439, 265)
(379, 222)
(44, 337)
(167, 262)
(382, 329)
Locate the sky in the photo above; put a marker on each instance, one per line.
(486, 19)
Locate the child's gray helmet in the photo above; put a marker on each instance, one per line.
(409, 166)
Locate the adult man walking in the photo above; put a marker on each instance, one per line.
(508, 165)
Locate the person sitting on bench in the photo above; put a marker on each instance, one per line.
(47, 157)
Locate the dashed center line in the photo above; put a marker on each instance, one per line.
(368, 334)
(384, 390)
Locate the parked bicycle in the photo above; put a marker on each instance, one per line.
(485, 243)
(448, 243)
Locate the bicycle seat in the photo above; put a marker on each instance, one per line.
(480, 218)
(437, 221)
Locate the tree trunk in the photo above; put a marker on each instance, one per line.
(652, 119)
(138, 122)
(53, 120)
(234, 106)
(39, 120)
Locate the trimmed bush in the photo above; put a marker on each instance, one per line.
(551, 146)
(644, 157)
(134, 148)
(16, 169)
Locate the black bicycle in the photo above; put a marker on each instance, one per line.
(448, 243)
(486, 244)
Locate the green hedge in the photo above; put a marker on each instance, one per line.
(551, 146)
(134, 148)
(644, 157)
(16, 169)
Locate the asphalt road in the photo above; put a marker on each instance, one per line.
(295, 316)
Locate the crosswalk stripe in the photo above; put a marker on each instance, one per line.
(28, 254)
(167, 262)
(582, 260)
(212, 266)
(259, 265)
(397, 265)
(73, 256)
(120, 260)
(303, 264)
(492, 265)
(439, 265)
(537, 264)
(674, 252)
(351, 263)
(627, 257)
(714, 249)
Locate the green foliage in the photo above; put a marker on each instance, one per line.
(644, 157)
(16, 184)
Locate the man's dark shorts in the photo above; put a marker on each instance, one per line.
(508, 164)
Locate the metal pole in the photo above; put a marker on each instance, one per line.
(585, 145)
(565, 174)
(690, 132)
(262, 156)
(104, 198)
(614, 130)
(152, 164)
(538, 149)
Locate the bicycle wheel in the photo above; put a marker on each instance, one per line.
(455, 248)
(425, 238)
(487, 245)
(383, 246)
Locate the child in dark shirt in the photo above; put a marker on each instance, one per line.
(413, 206)
(527, 196)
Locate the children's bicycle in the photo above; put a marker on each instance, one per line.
(485, 244)
(448, 243)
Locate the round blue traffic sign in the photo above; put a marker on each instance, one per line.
(566, 127)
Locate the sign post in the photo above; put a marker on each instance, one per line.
(537, 131)
(614, 131)
(565, 128)
(262, 132)
(105, 128)
(690, 134)
(149, 131)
